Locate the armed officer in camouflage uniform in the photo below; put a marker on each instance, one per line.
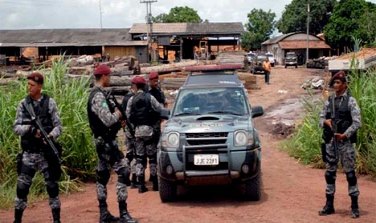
(130, 139)
(36, 154)
(341, 113)
(105, 123)
(156, 91)
(141, 109)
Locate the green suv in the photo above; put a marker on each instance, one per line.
(210, 137)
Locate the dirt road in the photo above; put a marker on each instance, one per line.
(291, 192)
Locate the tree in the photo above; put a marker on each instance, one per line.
(368, 24)
(178, 14)
(294, 17)
(351, 19)
(259, 27)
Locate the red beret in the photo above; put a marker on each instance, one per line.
(102, 69)
(138, 80)
(36, 76)
(338, 76)
(153, 75)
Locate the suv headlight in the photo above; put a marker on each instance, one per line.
(171, 140)
(242, 138)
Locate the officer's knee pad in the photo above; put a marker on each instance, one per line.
(23, 185)
(52, 188)
(22, 190)
(330, 177)
(123, 176)
(351, 178)
(103, 176)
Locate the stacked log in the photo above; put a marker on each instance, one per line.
(168, 68)
(249, 81)
(172, 83)
(232, 57)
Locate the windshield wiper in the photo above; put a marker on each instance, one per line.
(225, 112)
(187, 113)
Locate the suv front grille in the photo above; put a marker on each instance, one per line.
(194, 139)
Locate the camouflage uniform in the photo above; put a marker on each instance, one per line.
(109, 155)
(144, 143)
(346, 150)
(158, 94)
(34, 158)
(130, 143)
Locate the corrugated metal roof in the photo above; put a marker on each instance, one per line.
(67, 37)
(277, 39)
(234, 28)
(299, 44)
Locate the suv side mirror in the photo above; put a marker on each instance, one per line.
(257, 111)
(165, 114)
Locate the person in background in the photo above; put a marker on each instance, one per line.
(267, 69)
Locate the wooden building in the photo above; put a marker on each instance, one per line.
(71, 42)
(298, 43)
(183, 38)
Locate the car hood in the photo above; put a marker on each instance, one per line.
(208, 123)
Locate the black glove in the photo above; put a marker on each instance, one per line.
(33, 130)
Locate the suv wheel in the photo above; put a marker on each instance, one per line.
(252, 188)
(167, 190)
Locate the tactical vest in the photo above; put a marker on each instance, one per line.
(28, 141)
(97, 126)
(158, 94)
(342, 115)
(141, 110)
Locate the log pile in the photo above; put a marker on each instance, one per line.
(168, 68)
(232, 57)
(319, 63)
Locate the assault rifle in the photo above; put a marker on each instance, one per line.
(111, 98)
(334, 130)
(35, 119)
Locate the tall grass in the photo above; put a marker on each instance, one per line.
(305, 142)
(79, 155)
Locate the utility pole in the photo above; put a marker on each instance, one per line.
(307, 53)
(100, 13)
(149, 24)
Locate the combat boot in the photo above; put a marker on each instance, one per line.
(56, 215)
(154, 180)
(104, 215)
(18, 215)
(354, 207)
(125, 217)
(134, 183)
(329, 206)
(141, 184)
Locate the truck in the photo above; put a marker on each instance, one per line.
(210, 138)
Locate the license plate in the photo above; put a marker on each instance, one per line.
(206, 159)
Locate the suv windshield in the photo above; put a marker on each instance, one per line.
(290, 55)
(211, 101)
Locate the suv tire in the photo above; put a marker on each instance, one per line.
(167, 190)
(252, 188)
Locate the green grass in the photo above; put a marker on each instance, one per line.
(79, 156)
(305, 142)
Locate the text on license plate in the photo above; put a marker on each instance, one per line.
(206, 159)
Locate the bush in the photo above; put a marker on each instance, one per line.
(79, 156)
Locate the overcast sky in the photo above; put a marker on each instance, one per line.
(44, 14)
